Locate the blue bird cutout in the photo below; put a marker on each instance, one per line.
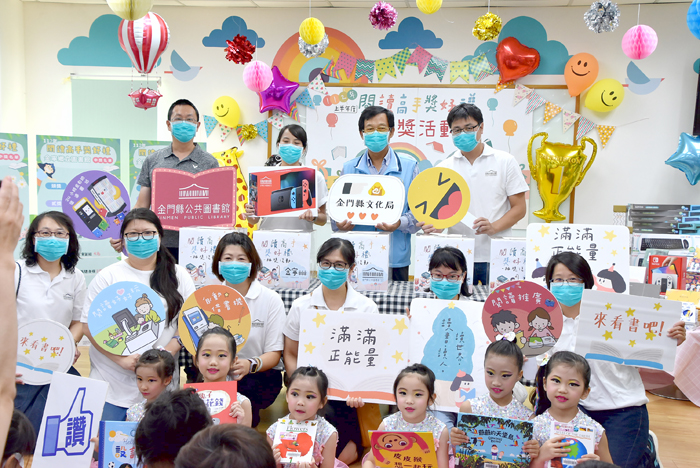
(638, 82)
(180, 69)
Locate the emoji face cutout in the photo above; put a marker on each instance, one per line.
(605, 95)
(439, 196)
(580, 72)
(226, 111)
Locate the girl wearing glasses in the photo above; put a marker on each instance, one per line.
(48, 286)
(149, 263)
(336, 259)
(448, 274)
(617, 399)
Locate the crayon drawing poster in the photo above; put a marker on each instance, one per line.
(426, 245)
(371, 271)
(360, 353)
(276, 192)
(286, 258)
(628, 330)
(214, 306)
(71, 418)
(403, 449)
(525, 312)
(493, 441)
(197, 247)
(127, 318)
(14, 161)
(507, 261)
(448, 337)
(43, 347)
(367, 199)
(605, 248)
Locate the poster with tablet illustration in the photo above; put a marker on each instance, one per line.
(366, 199)
(43, 347)
(282, 192)
(286, 258)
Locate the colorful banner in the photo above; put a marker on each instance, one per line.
(14, 161)
(426, 245)
(371, 271)
(286, 258)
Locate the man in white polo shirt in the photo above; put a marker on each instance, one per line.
(496, 185)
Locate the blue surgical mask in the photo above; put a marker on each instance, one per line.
(376, 141)
(234, 272)
(567, 294)
(444, 289)
(332, 278)
(183, 130)
(141, 248)
(465, 141)
(51, 248)
(291, 154)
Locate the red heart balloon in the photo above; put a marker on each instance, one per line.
(515, 60)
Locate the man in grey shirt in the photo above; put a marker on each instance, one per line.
(183, 154)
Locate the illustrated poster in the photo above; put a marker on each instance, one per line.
(360, 353)
(628, 330)
(493, 441)
(403, 449)
(15, 163)
(295, 440)
(371, 271)
(426, 245)
(287, 192)
(507, 261)
(197, 247)
(214, 306)
(367, 199)
(43, 347)
(218, 397)
(605, 248)
(286, 258)
(448, 337)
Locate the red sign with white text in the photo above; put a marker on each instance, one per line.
(181, 199)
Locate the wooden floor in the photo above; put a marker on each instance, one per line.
(676, 424)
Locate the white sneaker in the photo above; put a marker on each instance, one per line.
(653, 446)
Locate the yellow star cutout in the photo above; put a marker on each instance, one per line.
(383, 247)
(451, 305)
(309, 348)
(53, 354)
(306, 246)
(630, 312)
(26, 351)
(320, 319)
(398, 356)
(609, 235)
(43, 340)
(400, 325)
(536, 248)
(544, 230)
(632, 343)
(608, 306)
(607, 335)
(31, 333)
(469, 251)
(60, 338)
(41, 358)
(657, 306)
(614, 253)
(651, 336)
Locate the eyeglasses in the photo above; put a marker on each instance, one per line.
(371, 130)
(192, 121)
(452, 277)
(340, 266)
(470, 129)
(57, 234)
(569, 281)
(134, 236)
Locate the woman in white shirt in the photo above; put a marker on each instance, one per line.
(258, 368)
(48, 286)
(149, 263)
(336, 259)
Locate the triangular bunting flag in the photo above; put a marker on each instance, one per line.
(318, 85)
(330, 69)
(459, 70)
(521, 92)
(438, 66)
(261, 127)
(346, 62)
(209, 124)
(400, 59)
(239, 132)
(294, 111)
(501, 86)
(420, 57)
(364, 68)
(385, 66)
(584, 126)
(277, 120)
(604, 133)
(550, 110)
(305, 99)
(534, 101)
(480, 67)
(225, 130)
(569, 118)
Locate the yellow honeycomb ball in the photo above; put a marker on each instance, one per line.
(312, 31)
(130, 10)
(429, 6)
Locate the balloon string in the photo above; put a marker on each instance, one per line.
(634, 121)
(639, 9)
(509, 144)
(489, 7)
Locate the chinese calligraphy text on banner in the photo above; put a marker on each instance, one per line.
(286, 258)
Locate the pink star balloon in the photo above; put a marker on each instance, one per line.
(279, 94)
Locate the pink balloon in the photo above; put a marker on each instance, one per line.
(257, 76)
(279, 94)
(639, 42)
(144, 40)
(332, 119)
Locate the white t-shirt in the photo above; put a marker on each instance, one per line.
(294, 223)
(354, 302)
(494, 176)
(39, 297)
(612, 386)
(122, 390)
(267, 319)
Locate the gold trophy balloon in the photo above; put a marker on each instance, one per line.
(558, 169)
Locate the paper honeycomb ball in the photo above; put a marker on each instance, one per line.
(639, 42)
(257, 76)
(130, 10)
(428, 6)
(312, 31)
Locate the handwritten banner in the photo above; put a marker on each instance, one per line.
(367, 199)
(43, 347)
(371, 272)
(286, 258)
(507, 261)
(197, 247)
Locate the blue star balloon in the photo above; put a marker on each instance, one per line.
(687, 157)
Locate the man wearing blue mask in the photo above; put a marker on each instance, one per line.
(376, 127)
(183, 154)
(496, 185)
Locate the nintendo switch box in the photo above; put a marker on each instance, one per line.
(282, 192)
(666, 271)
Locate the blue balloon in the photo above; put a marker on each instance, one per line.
(693, 19)
(317, 99)
(492, 103)
(687, 157)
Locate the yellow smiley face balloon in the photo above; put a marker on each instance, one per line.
(605, 95)
(439, 196)
(226, 111)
